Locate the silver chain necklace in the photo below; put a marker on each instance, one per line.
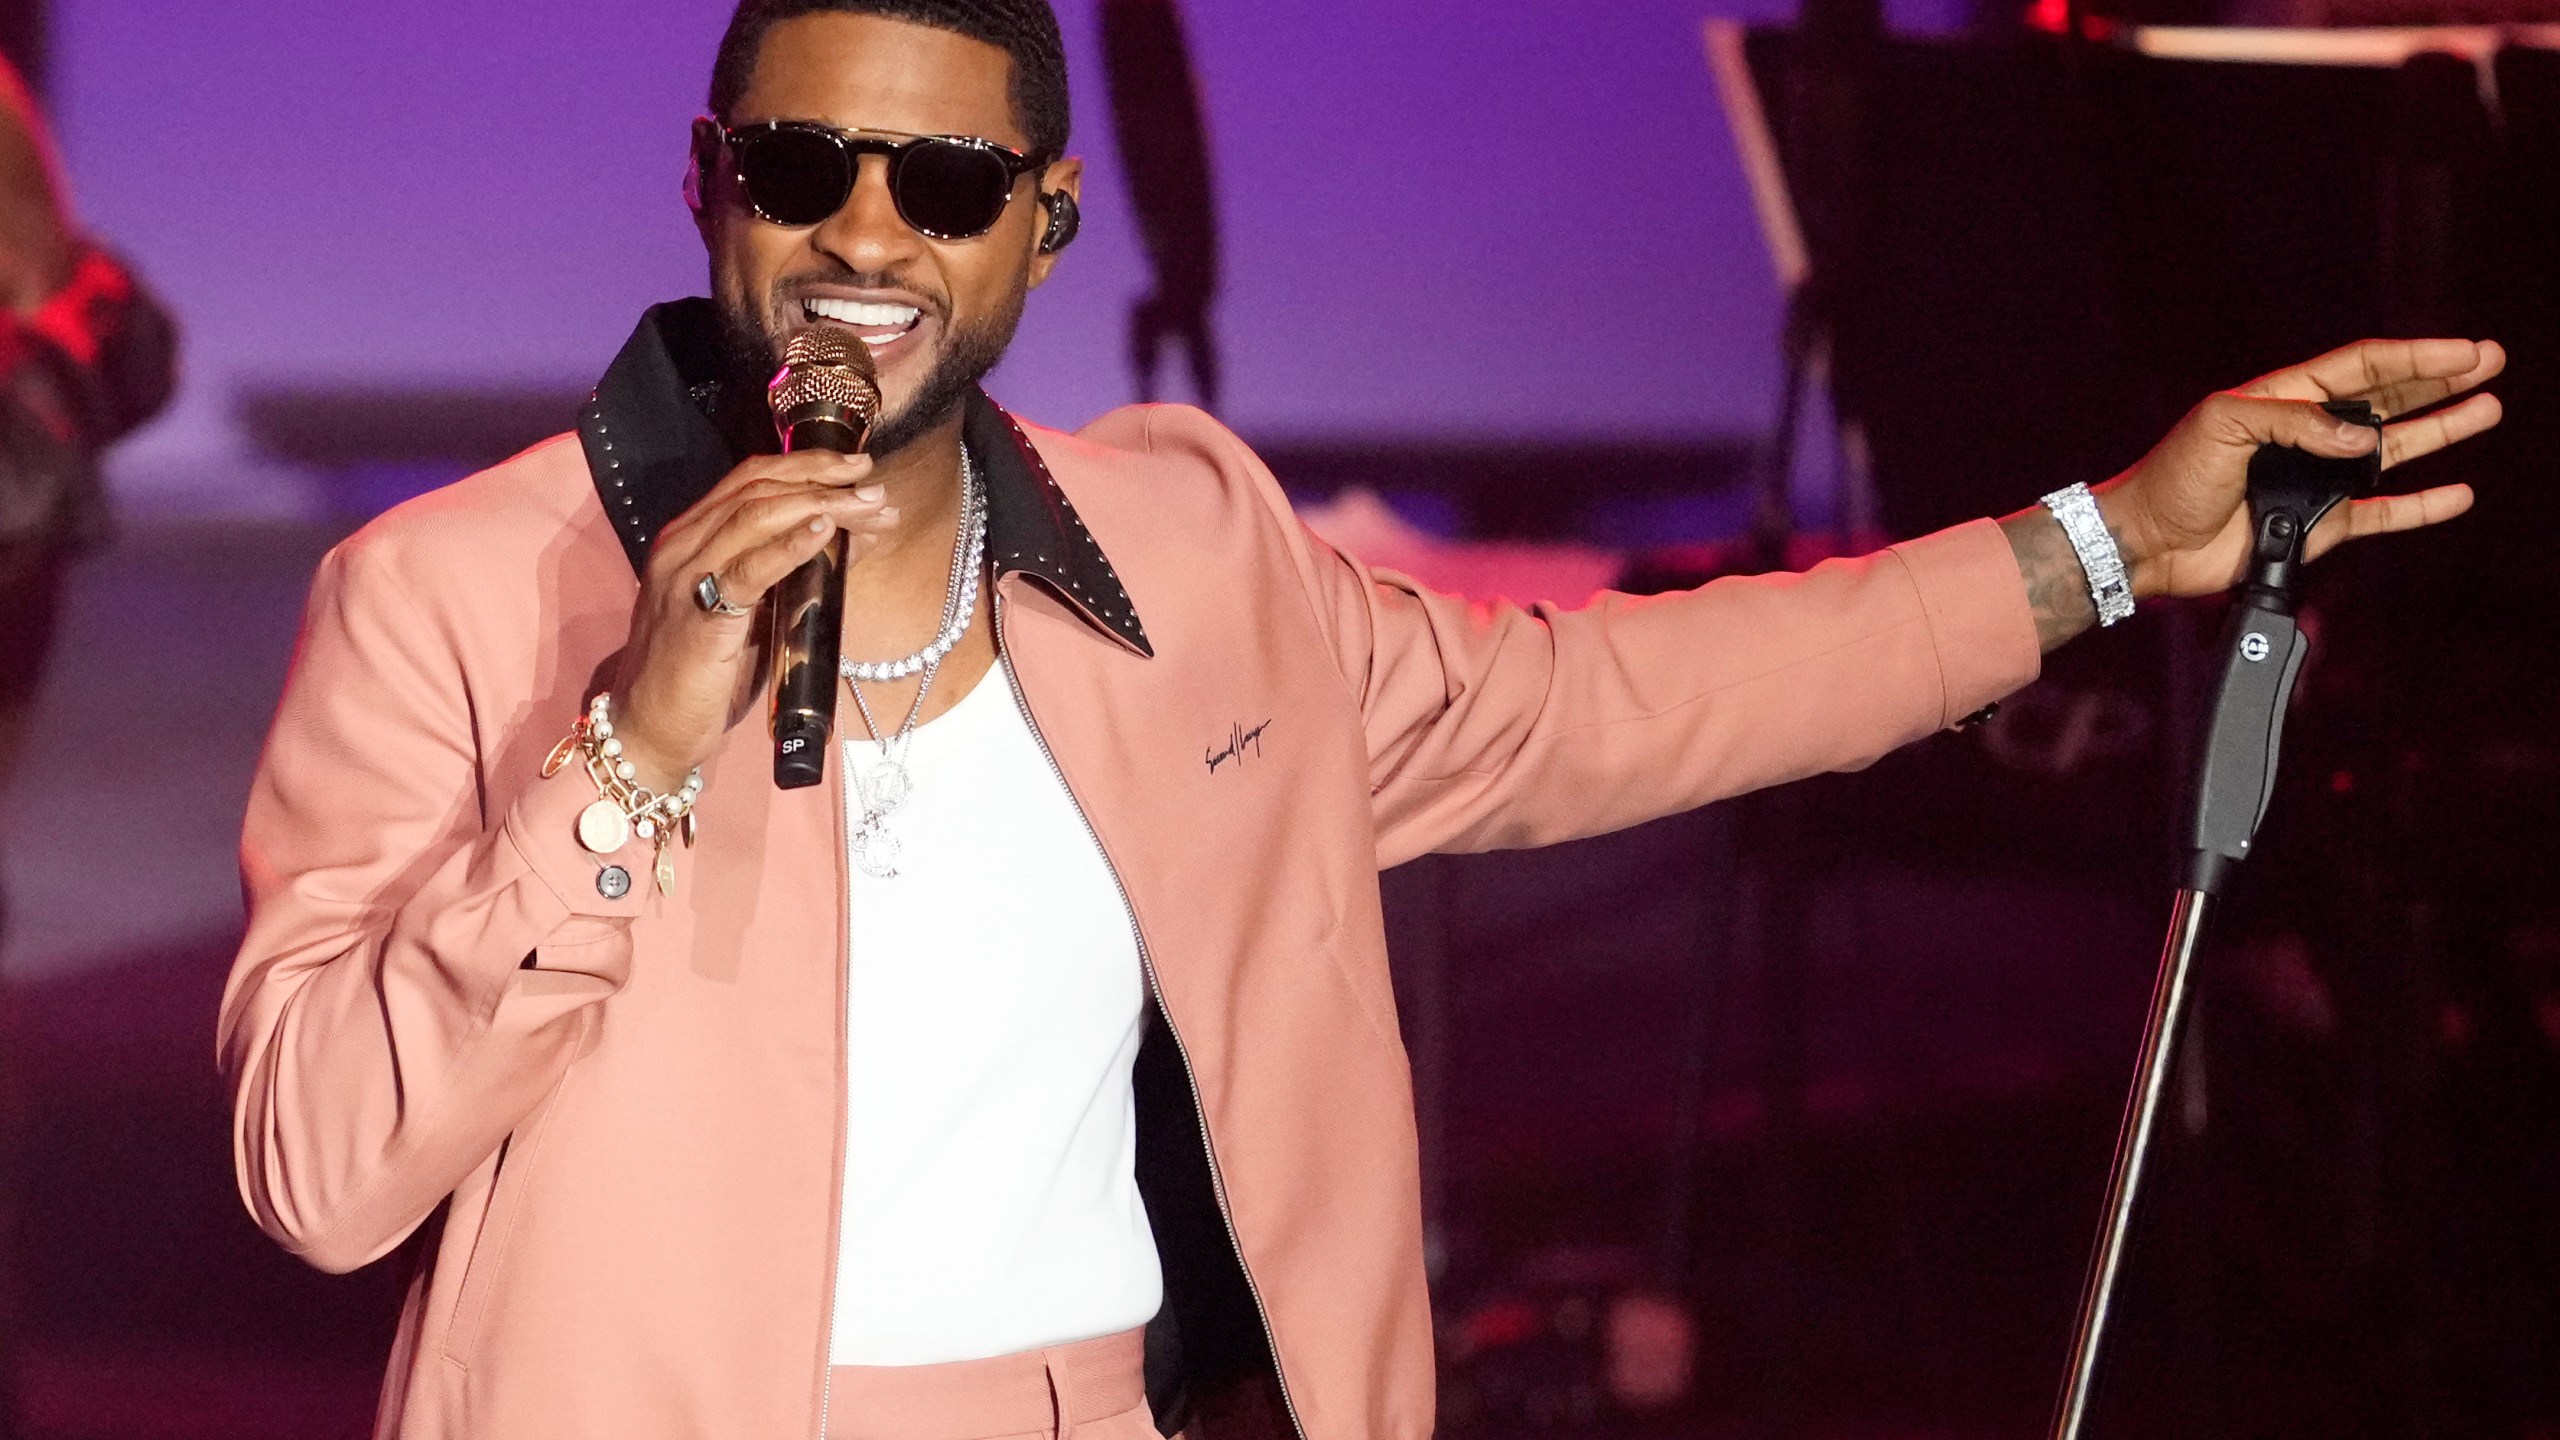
(886, 786)
(959, 602)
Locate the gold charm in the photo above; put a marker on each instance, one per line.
(603, 828)
(560, 754)
(666, 870)
(688, 829)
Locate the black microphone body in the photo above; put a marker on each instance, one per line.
(824, 399)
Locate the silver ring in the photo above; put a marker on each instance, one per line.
(708, 599)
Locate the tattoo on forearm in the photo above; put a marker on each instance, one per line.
(2057, 590)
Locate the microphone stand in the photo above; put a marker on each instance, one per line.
(2262, 652)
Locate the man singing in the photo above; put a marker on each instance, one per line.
(1038, 1074)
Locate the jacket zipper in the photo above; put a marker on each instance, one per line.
(1155, 989)
(844, 989)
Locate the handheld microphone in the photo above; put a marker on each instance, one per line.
(825, 398)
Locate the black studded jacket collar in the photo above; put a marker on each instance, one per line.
(665, 424)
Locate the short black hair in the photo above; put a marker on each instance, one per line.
(1027, 30)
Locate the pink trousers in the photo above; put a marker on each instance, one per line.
(1091, 1390)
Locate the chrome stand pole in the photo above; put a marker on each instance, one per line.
(2133, 1147)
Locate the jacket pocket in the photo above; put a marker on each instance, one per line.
(486, 1267)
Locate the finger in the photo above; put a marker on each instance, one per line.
(2408, 397)
(2398, 376)
(2369, 367)
(802, 467)
(684, 544)
(766, 475)
(759, 521)
(2245, 421)
(2388, 515)
(756, 571)
(808, 468)
(2428, 434)
(752, 573)
(769, 492)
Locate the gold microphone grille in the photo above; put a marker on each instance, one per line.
(825, 366)
(796, 390)
(827, 345)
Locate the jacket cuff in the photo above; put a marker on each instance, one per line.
(1979, 618)
(543, 827)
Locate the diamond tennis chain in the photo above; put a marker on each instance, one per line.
(887, 785)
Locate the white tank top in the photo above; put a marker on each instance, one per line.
(994, 1010)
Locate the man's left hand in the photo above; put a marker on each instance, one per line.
(2181, 517)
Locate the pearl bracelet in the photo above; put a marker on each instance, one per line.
(623, 808)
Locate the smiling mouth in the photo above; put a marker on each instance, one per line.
(877, 326)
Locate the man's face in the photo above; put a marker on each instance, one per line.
(865, 263)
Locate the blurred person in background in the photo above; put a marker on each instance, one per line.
(86, 354)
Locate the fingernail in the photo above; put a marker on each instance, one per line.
(871, 494)
(2352, 434)
(888, 512)
(819, 527)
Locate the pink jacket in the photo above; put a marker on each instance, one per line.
(614, 1126)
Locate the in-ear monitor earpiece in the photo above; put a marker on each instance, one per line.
(1065, 219)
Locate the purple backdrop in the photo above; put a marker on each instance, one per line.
(1444, 216)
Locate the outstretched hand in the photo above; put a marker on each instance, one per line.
(2181, 516)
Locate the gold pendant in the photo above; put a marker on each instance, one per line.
(688, 829)
(603, 828)
(666, 870)
(560, 754)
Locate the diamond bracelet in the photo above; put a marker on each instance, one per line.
(2110, 587)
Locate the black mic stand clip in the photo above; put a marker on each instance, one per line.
(2262, 652)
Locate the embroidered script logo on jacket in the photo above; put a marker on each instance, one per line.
(1237, 743)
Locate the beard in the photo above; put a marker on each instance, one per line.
(753, 352)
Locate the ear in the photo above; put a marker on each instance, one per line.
(700, 168)
(1063, 179)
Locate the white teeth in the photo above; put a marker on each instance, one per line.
(869, 317)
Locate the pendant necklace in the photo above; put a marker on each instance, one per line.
(886, 785)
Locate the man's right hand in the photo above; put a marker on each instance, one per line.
(683, 674)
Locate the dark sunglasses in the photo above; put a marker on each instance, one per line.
(799, 173)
